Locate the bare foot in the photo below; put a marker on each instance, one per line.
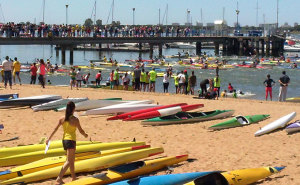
(59, 182)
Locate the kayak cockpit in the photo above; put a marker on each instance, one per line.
(127, 167)
(211, 179)
(242, 120)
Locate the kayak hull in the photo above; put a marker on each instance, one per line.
(56, 103)
(28, 101)
(180, 118)
(239, 121)
(130, 170)
(280, 123)
(292, 128)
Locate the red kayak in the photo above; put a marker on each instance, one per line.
(163, 112)
(130, 114)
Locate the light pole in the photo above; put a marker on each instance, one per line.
(67, 14)
(159, 16)
(133, 10)
(277, 15)
(237, 15)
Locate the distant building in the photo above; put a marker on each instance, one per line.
(175, 24)
(221, 27)
(296, 24)
(188, 24)
(210, 24)
(269, 29)
(116, 23)
(200, 24)
(286, 25)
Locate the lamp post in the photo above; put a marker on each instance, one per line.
(133, 10)
(188, 12)
(237, 15)
(67, 14)
(159, 16)
(277, 15)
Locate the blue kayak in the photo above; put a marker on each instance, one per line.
(172, 179)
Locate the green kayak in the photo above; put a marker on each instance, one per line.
(188, 117)
(239, 121)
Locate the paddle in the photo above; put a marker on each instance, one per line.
(11, 139)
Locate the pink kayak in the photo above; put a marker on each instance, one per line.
(164, 112)
(130, 114)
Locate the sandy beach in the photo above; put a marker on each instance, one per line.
(224, 150)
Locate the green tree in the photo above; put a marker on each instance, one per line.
(88, 22)
(99, 22)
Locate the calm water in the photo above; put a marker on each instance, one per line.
(247, 80)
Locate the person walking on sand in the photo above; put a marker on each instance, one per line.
(116, 78)
(73, 78)
(217, 84)
(16, 71)
(70, 124)
(98, 78)
(166, 79)
(284, 81)
(78, 78)
(152, 76)
(192, 82)
(33, 71)
(7, 67)
(42, 73)
(269, 83)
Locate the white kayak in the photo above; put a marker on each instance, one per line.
(28, 101)
(56, 104)
(280, 123)
(94, 104)
(121, 108)
(244, 95)
(294, 127)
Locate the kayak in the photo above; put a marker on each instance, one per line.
(249, 176)
(237, 177)
(34, 156)
(280, 123)
(9, 96)
(239, 121)
(294, 127)
(294, 99)
(122, 108)
(244, 95)
(88, 165)
(164, 112)
(56, 103)
(188, 117)
(133, 113)
(172, 179)
(6, 152)
(51, 162)
(130, 170)
(93, 104)
(28, 101)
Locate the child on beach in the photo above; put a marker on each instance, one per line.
(224, 94)
(230, 88)
(234, 94)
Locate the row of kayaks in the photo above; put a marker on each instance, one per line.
(117, 157)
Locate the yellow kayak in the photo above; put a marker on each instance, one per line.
(51, 162)
(294, 99)
(88, 165)
(88, 67)
(6, 152)
(240, 177)
(34, 156)
(131, 170)
(249, 176)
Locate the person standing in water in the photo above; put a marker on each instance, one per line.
(70, 124)
(284, 81)
(217, 84)
(269, 83)
(16, 71)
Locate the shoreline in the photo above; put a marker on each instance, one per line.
(224, 150)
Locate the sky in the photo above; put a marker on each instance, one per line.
(147, 11)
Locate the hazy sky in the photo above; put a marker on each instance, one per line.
(147, 11)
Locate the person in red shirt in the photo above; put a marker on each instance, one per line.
(230, 88)
(33, 71)
(98, 78)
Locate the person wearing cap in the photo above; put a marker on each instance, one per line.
(152, 76)
(137, 76)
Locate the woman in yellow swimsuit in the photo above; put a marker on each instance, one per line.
(69, 123)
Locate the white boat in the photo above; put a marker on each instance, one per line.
(239, 95)
(183, 45)
(291, 48)
(121, 108)
(280, 123)
(56, 104)
(94, 104)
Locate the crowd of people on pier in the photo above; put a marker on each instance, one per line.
(45, 30)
